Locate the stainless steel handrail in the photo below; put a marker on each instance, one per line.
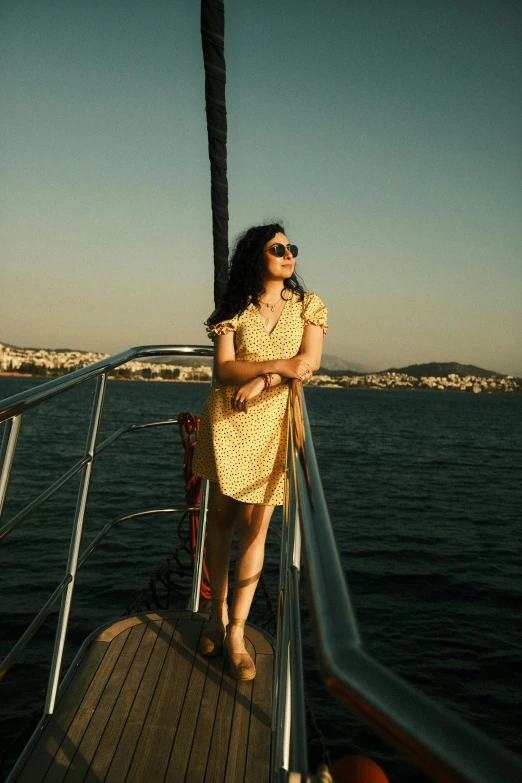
(125, 518)
(31, 629)
(71, 473)
(74, 548)
(18, 403)
(443, 745)
(42, 497)
(289, 747)
(12, 408)
(11, 411)
(7, 452)
(193, 604)
(131, 428)
(298, 760)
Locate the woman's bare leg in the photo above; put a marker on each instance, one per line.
(252, 524)
(222, 515)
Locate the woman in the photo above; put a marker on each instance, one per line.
(266, 330)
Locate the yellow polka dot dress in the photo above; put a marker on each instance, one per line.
(245, 453)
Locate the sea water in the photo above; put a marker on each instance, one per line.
(424, 493)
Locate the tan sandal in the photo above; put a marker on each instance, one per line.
(240, 665)
(211, 642)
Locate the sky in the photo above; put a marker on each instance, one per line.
(386, 135)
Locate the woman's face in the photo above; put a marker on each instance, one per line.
(278, 268)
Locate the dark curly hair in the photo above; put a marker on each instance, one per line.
(245, 284)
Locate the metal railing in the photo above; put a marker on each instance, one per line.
(11, 412)
(444, 746)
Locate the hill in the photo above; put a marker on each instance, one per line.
(442, 370)
(330, 362)
(334, 366)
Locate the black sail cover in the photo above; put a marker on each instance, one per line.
(213, 40)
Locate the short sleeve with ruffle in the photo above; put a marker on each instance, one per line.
(222, 327)
(314, 311)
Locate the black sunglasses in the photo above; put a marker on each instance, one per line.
(279, 250)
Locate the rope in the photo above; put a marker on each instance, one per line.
(189, 429)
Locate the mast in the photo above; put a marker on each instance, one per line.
(213, 41)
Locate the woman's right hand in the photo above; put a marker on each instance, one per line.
(296, 367)
(247, 392)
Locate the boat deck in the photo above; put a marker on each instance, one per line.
(143, 705)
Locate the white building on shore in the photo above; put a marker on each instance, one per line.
(44, 362)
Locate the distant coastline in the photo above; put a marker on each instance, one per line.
(450, 376)
(155, 379)
(326, 382)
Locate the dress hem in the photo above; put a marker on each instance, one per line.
(239, 500)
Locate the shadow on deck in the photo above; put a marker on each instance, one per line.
(143, 705)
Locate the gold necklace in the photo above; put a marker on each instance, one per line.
(266, 319)
(275, 305)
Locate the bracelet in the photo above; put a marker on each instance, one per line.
(267, 378)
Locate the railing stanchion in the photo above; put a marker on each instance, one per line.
(290, 549)
(298, 748)
(287, 711)
(200, 549)
(288, 508)
(75, 545)
(7, 452)
(281, 713)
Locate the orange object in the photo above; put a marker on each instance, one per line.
(189, 429)
(357, 769)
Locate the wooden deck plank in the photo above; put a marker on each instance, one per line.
(236, 760)
(111, 736)
(217, 757)
(52, 735)
(84, 713)
(205, 723)
(157, 737)
(123, 756)
(259, 738)
(144, 706)
(110, 633)
(89, 743)
(259, 640)
(239, 736)
(180, 755)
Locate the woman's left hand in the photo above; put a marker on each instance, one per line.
(246, 393)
